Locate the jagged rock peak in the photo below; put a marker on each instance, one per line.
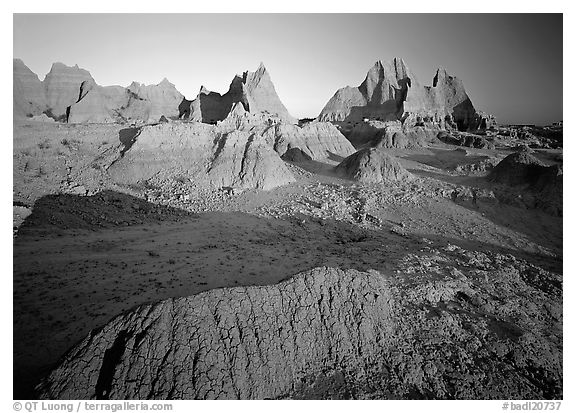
(254, 90)
(254, 78)
(29, 96)
(395, 67)
(20, 69)
(390, 92)
(442, 76)
(58, 67)
(17, 62)
(62, 85)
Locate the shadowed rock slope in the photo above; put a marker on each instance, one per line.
(372, 165)
(333, 333)
(254, 90)
(524, 170)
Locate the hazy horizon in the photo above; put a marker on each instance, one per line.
(511, 65)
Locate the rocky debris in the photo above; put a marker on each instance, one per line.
(76, 189)
(550, 136)
(465, 139)
(19, 214)
(205, 154)
(474, 197)
(62, 85)
(329, 203)
(430, 330)
(477, 168)
(185, 194)
(391, 92)
(526, 348)
(254, 90)
(318, 140)
(372, 165)
(28, 92)
(356, 204)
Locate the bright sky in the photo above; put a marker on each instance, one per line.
(511, 65)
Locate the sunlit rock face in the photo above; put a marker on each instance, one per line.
(29, 94)
(391, 92)
(62, 85)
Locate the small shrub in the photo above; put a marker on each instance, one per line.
(41, 172)
(44, 145)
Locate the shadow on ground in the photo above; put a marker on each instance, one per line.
(317, 168)
(107, 209)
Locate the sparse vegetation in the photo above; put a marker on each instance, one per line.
(45, 144)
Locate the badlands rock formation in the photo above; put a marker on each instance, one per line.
(150, 102)
(255, 342)
(519, 168)
(391, 92)
(71, 94)
(62, 85)
(244, 150)
(254, 90)
(92, 105)
(318, 140)
(139, 102)
(29, 95)
(382, 134)
(545, 182)
(371, 165)
(331, 333)
(206, 154)
(469, 140)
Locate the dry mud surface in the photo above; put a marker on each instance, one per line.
(416, 289)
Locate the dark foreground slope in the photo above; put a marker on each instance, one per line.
(329, 333)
